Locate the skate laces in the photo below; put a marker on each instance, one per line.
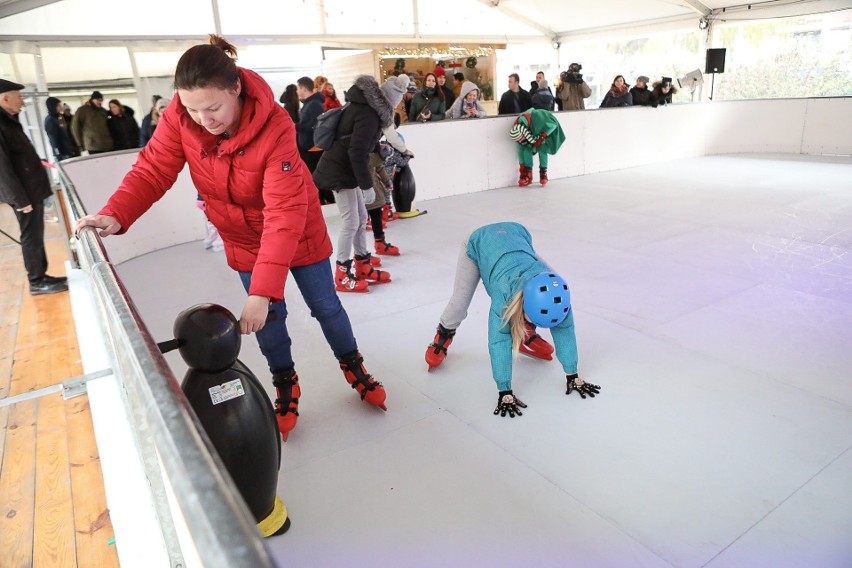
(359, 375)
(284, 388)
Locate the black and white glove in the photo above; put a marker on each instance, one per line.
(369, 195)
(507, 402)
(575, 383)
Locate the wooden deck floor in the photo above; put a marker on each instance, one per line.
(53, 511)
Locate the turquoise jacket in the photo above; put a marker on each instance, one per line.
(506, 260)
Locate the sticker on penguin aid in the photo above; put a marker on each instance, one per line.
(226, 391)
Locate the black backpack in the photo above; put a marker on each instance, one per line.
(325, 132)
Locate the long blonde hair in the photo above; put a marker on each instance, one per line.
(513, 316)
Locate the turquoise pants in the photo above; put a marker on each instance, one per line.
(525, 156)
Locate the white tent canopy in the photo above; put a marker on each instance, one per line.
(368, 21)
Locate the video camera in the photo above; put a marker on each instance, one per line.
(572, 75)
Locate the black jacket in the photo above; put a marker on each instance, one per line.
(23, 180)
(124, 131)
(346, 164)
(507, 103)
(60, 138)
(641, 97)
(449, 96)
(543, 99)
(311, 109)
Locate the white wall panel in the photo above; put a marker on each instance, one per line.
(828, 127)
(173, 220)
(755, 126)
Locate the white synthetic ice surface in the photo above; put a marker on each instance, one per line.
(713, 304)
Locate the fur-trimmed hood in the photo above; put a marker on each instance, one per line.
(366, 90)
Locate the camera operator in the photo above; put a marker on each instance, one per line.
(572, 88)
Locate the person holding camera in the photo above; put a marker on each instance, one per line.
(573, 89)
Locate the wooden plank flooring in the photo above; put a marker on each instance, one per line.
(53, 510)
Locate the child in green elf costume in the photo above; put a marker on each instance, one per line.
(536, 131)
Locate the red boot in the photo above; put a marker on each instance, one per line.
(385, 248)
(346, 281)
(364, 270)
(526, 176)
(356, 375)
(287, 403)
(388, 213)
(437, 350)
(542, 176)
(534, 346)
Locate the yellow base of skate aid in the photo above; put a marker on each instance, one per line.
(276, 519)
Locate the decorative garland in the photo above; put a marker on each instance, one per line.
(470, 63)
(399, 65)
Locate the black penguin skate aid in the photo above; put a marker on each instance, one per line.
(437, 350)
(233, 409)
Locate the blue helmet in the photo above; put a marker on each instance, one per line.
(546, 299)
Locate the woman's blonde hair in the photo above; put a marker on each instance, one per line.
(513, 316)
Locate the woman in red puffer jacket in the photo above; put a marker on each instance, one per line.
(241, 150)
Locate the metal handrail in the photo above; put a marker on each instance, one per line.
(168, 435)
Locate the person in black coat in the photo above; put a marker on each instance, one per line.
(312, 107)
(122, 127)
(516, 100)
(54, 125)
(543, 97)
(662, 93)
(24, 185)
(345, 169)
(640, 92)
(618, 94)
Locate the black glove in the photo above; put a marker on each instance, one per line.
(507, 402)
(575, 383)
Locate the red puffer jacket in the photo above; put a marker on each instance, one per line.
(259, 194)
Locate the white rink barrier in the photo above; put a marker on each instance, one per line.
(455, 157)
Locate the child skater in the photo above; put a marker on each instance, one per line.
(525, 293)
(536, 131)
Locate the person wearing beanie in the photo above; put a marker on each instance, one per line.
(345, 169)
(57, 133)
(152, 119)
(543, 97)
(90, 127)
(260, 196)
(662, 93)
(428, 105)
(640, 92)
(449, 95)
(24, 185)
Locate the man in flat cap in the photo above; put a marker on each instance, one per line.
(89, 126)
(24, 185)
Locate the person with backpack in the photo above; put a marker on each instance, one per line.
(240, 146)
(345, 169)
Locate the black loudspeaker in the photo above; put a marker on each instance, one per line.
(715, 61)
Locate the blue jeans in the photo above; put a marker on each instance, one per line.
(316, 283)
